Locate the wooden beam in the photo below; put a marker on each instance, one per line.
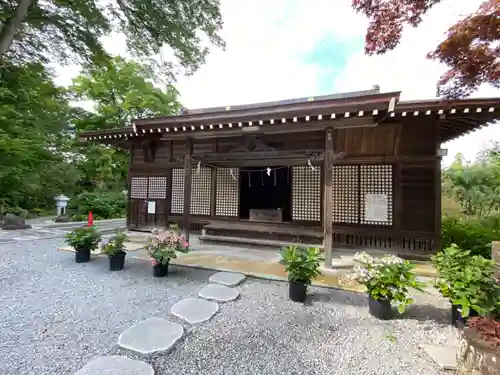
(187, 188)
(327, 198)
(288, 127)
(168, 173)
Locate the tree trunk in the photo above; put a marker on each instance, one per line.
(9, 29)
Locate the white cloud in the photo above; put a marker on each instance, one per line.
(407, 69)
(267, 41)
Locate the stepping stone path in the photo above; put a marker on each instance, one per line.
(227, 278)
(151, 336)
(194, 310)
(115, 365)
(219, 293)
(158, 335)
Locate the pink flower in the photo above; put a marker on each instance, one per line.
(154, 262)
(185, 244)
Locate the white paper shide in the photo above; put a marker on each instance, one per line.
(151, 207)
(376, 208)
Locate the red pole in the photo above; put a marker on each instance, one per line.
(90, 219)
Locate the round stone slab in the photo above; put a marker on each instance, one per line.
(227, 278)
(219, 293)
(194, 310)
(153, 335)
(115, 365)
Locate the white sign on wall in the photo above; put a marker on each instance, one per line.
(376, 207)
(151, 207)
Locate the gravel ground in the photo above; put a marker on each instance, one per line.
(56, 315)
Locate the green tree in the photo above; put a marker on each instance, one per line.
(476, 187)
(34, 121)
(121, 91)
(35, 29)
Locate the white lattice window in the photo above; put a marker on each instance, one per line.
(139, 187)
(201, 188)
(306, 193)
(345, 194)
(177, 204)
(157, 188)
(228, 196)
(376, 180)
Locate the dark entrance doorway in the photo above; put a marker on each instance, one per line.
(258, 190)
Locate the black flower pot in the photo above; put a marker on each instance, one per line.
(160, 269)
(82, 256)
(117, 261)
(456, 316)
(298, 291)
(380, 308)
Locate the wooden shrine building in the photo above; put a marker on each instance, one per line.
(358, 169)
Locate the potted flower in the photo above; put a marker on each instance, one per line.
(114, 249)
(302, 265)
(388, 280)
(163, 246)
(83, 240)
(467, 281)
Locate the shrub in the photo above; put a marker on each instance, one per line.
(116, 243)
(84, 238)
(466, 280)
(164, 245)
(302, 264)
(103, 204)
(470, 234)
(386, 278)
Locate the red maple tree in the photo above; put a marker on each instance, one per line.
(470, 49)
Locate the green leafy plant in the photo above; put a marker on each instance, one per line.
(103, 204)
(116, 243)
(386, 278)
(164, 245)
(302, 264)
(466, 280)
(84, 238)
(472, 234)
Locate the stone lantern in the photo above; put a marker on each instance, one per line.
(61, 204)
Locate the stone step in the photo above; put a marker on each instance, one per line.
(151, 336)
(219, 293)
(227, 278)
(194, 310)
(115, 365)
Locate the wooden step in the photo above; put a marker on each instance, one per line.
(250, 241)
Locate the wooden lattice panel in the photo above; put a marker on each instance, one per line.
(376, 179)
(139, 188)
(177, 204)
(228, 192)
(345, 194)
(201, 188)
(157, 188)
(306, 193)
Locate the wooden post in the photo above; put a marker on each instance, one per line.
(437, 196)
(327, 197)
(213, 192)
(495, 255)
(187, 188)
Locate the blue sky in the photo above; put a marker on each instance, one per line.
(331, 55)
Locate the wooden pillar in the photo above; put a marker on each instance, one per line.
(437, 194)
(213, 189)
(327, 197)
(168, 200)
(187, 187)
(495, 255)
